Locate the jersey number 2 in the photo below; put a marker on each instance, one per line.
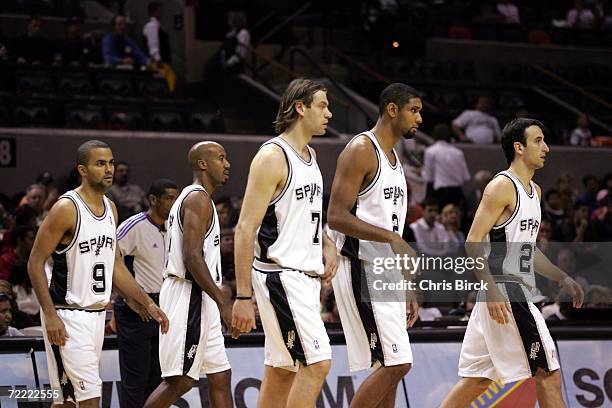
(316, 219)
(525, 260)
(99, 283)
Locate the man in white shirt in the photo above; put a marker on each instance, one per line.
(445, 168)
(141, 239)
(477, 126)
(580, 16)
(157, 43)
(509, 12)
(430, 235)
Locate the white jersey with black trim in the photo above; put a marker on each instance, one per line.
(175, 266)
(80, 274)
(382, 203)
(514, 241)
(290, 234)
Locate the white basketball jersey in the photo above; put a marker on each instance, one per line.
(382, 203)
(80, 274)
(290, 233)
(174, 226)
(513, 242)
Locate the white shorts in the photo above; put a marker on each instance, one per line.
(290, 311)
(507, 352)
(375, 331)
(74, 368)
(194, 342)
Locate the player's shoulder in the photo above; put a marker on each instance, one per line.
(360, 151)
(501, 188)
(270, 159)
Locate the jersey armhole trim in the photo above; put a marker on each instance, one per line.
(516, 207)
(212, 221)
(289, 175)
(378, 169)
(76, 229)
(180, 209)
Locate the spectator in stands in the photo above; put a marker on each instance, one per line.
(35, 197)
(6, 317)
(469, 303)
(603, 221)
(22, 240)
(558, 310)
(581, 135)
(580, 16)
(329, 309)
(444, 167)
(228, 216)
(544, 237)
(566, 261)
(478, 125)
(236, 45)
(509, 12)
(157, 42)
(31, 47)
(20, 319)
(129, 198)
(481, 179)
(597, 296)
(51, 193)
(568, 194)
(227, 254)
(78, 48)
(577, 227)
(589, 196)
(553, 209)
(118, 48)
(451, 219)
(429, 234)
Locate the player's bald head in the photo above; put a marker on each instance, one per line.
(201, 151)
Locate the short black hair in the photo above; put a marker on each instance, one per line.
(430, 202)
(587, 178)
(88, 146)
(513, 132)
(20, 232)
(397, 93)
(154, 6)
(24, 214)
(159, 186)
(551, 193)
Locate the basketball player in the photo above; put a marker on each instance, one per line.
(190, 294)
(80, 238)
(506, 338)
(280, 223)
(141, 240)
(367, 211)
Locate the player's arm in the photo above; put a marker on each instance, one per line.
(356, 162)
(498, 195)
(268, 170)
(59, 223)
(124, 282)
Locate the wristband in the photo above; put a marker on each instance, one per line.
(244, 297)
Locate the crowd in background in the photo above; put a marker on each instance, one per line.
(437, 225)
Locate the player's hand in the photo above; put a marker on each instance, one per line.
(56, 331)
(401, 248)
(330, 261)
(412, 311)
(574, 289)
(226, 316)
(243, 316)
(139, 309)
(159, 316)
(499, 311)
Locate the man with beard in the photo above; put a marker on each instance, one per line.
(367, 212)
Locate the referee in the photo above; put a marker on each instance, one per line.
(141, 240)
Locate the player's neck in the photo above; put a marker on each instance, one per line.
(91, 196)
(207, 184)
(384, 134)
(298, 139)
(524, 173)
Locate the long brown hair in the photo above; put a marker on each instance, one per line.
(300, 89)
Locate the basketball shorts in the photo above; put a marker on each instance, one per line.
(507, 352)
(194, 342)
(290, 311)
(375, 330)
(74, 368)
